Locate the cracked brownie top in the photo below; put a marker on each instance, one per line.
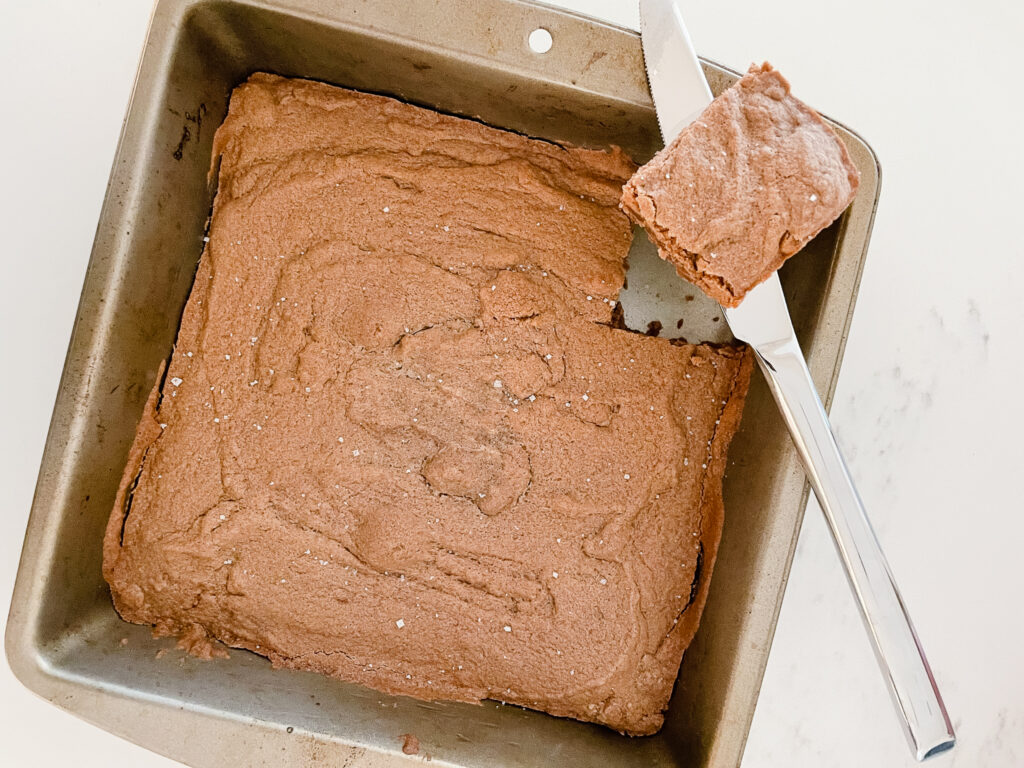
(400, 441)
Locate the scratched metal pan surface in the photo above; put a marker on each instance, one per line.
(65, 641)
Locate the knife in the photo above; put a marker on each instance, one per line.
(680, 94)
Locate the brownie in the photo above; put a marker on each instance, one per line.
(743, 188)
(399, 440)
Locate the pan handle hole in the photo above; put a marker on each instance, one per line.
(540, 40)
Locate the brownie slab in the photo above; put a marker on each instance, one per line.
(743, 188)
(399, 441)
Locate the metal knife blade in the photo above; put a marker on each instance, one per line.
(678, 86)
(680, 94)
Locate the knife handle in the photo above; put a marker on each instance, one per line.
(897, 648)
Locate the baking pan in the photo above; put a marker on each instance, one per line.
(467, 57)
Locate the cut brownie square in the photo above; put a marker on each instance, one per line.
(743, 188)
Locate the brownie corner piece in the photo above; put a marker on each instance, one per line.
(744, 187)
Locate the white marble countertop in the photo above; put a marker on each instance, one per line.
(926, 406)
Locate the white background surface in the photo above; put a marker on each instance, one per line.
(928, 407)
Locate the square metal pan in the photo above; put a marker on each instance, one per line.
(468, 57)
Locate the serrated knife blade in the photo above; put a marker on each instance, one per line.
(678, 87)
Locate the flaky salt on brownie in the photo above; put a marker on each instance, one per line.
(399, 441)
(743, 188)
